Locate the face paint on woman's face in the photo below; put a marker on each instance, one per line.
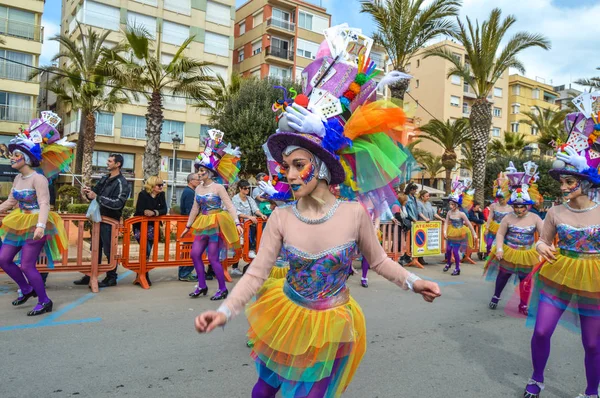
(299, 168)
(308, 173)
(17, 160)
(453, 205)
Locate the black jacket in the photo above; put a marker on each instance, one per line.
(112, 193)
(147, 202)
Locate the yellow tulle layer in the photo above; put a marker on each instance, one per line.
(514, 260)
(219, 223)
(460, 234)
(279, 272)
(579, 276)
(493, 228)
(301, 345)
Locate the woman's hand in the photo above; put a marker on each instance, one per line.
(253, 219)
(184, 233)
(264, 218)
(149, 213)
(240, 230)
(429, 290)
(547, 252)
(38, 233)
(499, 254)
(209, 320)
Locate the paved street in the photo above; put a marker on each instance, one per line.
(125, 341)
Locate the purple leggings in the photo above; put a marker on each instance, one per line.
(489, 241)
(453, 249)
(547, 318)
(501, 281)
(364, 265)
(27, 276)
(201, 243)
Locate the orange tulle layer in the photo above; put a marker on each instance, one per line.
(376, 117)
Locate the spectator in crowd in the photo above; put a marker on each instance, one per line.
(247, 209)
(111, 193)
(426, 213)
(412, 212)
(475, 214)
(486, 210)
(257, 193)
(185, 207)
(404, 222)
(151, 202)
(538, 208)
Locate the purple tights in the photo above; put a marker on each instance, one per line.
(547, 318)
(364, 265)
(453, 249)
(201, 243)
(489, 241)
(27, 276)
(501, 281)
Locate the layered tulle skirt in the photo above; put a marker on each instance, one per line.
(570, 283)
(280, 269)
(460, 237)
(19, 226)
(518, 261)
(296, 345)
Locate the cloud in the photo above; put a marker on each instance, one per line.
(49, 47)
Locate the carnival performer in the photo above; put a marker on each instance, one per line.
(215, 229)
(308, 333)
(514, 252)
(498, 210)
(458, 229)
(31, 226)
(567, 285)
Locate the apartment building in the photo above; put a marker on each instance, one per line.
(210, 22)
(434, 94)
(524, 95)
(277, 38)
(565, 96)
(21, 30)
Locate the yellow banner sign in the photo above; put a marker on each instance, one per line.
(426, 238)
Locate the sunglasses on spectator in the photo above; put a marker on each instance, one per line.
(160, 185)
(244, 188)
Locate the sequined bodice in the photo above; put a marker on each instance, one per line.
(27, 199)
(208, 202)
(457, 222)
(499, 215)
(520, 236)
(582, 240)
(321, 275)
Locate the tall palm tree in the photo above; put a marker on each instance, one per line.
(449, 135)
(466, 160)
(417, 152)
(137, 62)
(486, 63)
(220, 93)
(433, 165)
(81, 85)
(512, 145)
(405, 26)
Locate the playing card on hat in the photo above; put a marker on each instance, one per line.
(579, 142)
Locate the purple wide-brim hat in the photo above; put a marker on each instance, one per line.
(33, 157)
(279, 141)
(556, 173)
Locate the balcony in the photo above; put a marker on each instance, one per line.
(22, 30)
(281, 25)
(279, 54)
(12, 113)
(468, 92)
(12, 71)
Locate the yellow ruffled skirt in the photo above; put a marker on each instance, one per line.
(18, 227)
(280, 270)
(514, 261)
(460, 236)
(217, 225)
(295, 346)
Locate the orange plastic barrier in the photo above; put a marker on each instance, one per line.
(260, 225)
(175, 251)
(390, 233)
(73, 258)
(470, 250)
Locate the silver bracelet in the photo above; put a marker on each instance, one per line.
(410, 281)
(223, 309)
(40, 225)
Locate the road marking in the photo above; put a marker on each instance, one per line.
(442, 284)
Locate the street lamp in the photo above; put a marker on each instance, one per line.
(176, 142)
(527, 151)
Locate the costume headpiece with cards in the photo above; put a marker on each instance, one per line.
(522, 184)
(338, 119)
(501, 186)
(219, 157)
(43, 146)
(460, 193)
(580, 155)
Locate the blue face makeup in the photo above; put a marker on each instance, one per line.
(295, 187)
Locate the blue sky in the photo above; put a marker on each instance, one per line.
(571, 25)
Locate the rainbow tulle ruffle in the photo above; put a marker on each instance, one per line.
(218, 226)
(493, 228)
(460, 236)
(56, 159)
(571, 283)
(295, 347)
(19, 227)
(514, 261)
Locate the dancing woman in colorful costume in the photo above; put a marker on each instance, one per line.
(308, 333)
(567, 286)
(458, 229)
(514, 252)
(31, 226)
(498, 210)
(214, 228)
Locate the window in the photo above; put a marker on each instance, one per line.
(133, 126)
(298, 76)
(378, 59)
(255, 74)
(454, 79)
(174, 33)
(99, 15)
(312, 22)
(276, 72)
(256, 47)
(218, 13)
(204, 133)
(169, 128)
(215, 43)
(465, 108)
(497, 92)
(12, 70)
(15, 107)
(140, 20)
(516, 109)
(18, 23)
(457, 56)
(240, 55)
(418, 63)
(495, 132)
(99, 159)
(497, 112)
(307, 49)
(179, 6)
(454, 100)
(535, 93)
(417, 83)
(407, 68)
(174, 102)
(534, 130)
(516, 90)
(104, 123)
(218, 70)
(257, 19)
(183, 166)
(514, 127)
(242, 28)
(149, 2)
